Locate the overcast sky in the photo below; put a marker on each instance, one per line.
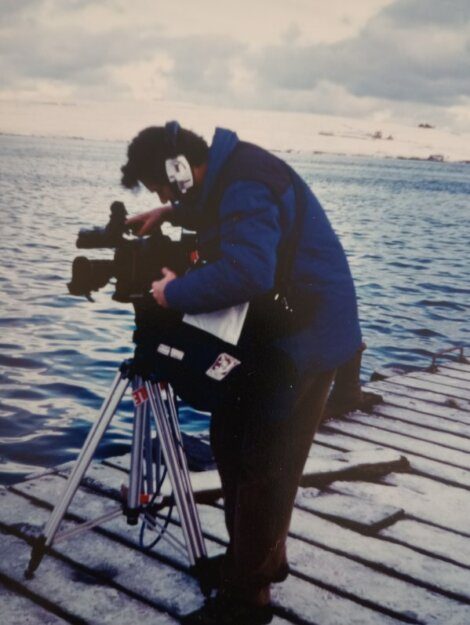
(404, 59)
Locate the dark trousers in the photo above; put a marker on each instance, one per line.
(260, 461)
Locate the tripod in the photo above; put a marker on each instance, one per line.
(150, 396)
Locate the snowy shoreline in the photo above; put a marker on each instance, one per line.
(279, 131)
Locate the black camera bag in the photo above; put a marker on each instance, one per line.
(208, 373)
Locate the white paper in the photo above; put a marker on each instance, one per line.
(226, 324)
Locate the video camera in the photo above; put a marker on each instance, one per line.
(205, 370)
(137, 261)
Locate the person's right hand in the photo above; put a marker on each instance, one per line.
(144, 223)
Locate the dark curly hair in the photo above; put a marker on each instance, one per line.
(148, 151)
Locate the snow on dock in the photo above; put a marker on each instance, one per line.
(380, 531)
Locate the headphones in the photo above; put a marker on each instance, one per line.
(177, 167)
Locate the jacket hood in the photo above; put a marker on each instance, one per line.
(223, 144)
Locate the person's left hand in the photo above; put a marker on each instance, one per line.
(158, 287)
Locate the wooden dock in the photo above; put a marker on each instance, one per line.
(380, 532)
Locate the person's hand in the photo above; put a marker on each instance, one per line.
(144, 223)
(158, 287)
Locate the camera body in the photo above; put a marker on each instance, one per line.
(136, 264)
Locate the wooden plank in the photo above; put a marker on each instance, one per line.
(20, 610)
(439, 378)
(318, 471)
(415, 393)
(164, 587)
(345, 443)
(431, 384)
(424, 420)
(429, 539)
(105, 479)
(373, 463)
(119, 462)
(454, 374)
(326, 452)
(403, 400)
(351, 578)
(444, 473)
(420, 431)
(432, 468)
(395, 559)
(457, 388)
(140, 573)
(401, 442)
(324, 599)
(297, 597)
(458, 366)
(87, 505)
(307, 603)
(123, 462)
(80, 596)
(197, 448)
(363, 516)
(46, 483)
(420, 497)
(453, 496)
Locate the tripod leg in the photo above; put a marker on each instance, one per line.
(135, 477)
(196, 524)
(92, 441)
(148, 454)
(200, 566)
(175, 461)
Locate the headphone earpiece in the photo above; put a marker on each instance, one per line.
(178, 171)
(177, 167)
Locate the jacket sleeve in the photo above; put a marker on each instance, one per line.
(249, 237)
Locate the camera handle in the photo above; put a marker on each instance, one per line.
(150, 396)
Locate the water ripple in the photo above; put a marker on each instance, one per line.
(404, 225)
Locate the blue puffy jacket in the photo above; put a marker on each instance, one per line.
(243, 236)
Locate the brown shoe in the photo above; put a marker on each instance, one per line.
(227, 611)
(338, 406)
(209, 572)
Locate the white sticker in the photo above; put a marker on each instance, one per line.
(176, 353)
(164, 349)
(224, 363)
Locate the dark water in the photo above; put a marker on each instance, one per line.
(404, 224)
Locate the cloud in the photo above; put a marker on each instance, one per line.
(13, 8)
(405, 55)
(202, 64)
(428, 64)
(64, 49)
(409, 14)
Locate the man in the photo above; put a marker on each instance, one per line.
(261, 233)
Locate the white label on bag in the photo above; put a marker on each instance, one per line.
(173, 352)
(224, 363)
(176, 353)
